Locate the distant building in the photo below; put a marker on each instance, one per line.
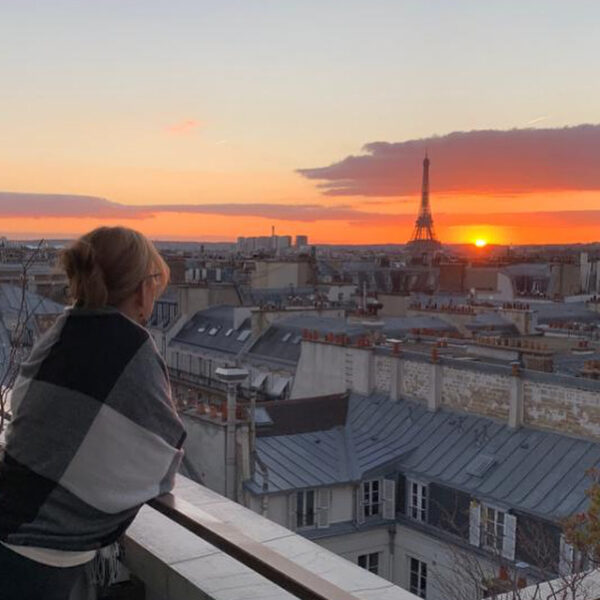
(283, 242)
(281, 273)
(301, 241)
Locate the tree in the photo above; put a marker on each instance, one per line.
(560, 570)
(19, 336)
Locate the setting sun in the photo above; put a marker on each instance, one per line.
(480, 243)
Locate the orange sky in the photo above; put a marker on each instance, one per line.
(454, 221)
(223, 104)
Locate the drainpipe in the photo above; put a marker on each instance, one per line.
(392, 549)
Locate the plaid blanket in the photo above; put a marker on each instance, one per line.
(94, 434)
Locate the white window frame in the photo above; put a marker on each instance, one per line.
(304, 518)
(371, 497)
(493, 530)
(417, 500)
(370, 562)
(421, 573)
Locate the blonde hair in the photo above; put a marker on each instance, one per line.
(108, 264)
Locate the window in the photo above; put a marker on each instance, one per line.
(493, 528)
(417, 501)
(370, 562)
(371, 497)
(305, 509)
(418, 578)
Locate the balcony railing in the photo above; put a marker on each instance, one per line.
(196, 544)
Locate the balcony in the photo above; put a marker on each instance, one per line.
(248, 557)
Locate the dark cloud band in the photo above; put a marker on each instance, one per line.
(490, 161)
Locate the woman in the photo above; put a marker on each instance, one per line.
(94, 433)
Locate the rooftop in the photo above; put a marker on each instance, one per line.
(539, 472)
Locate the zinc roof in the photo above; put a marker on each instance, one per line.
(213, 329)
(282, 340)
(539, 472)
(10, 300)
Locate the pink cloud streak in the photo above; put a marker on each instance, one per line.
(183, 127)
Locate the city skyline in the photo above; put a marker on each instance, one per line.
(206, 121)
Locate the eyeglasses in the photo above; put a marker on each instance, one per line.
(153, 275)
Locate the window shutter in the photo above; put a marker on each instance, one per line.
(323, 510)
(510, 536)
(565, 557)
(359, 508)
(292, 512)
(401, 495)
(475, 523)
(389, 499)
(438, 500)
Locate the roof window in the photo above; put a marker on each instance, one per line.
(244, 335)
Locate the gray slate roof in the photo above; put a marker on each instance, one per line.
(491, 319)
(537, 270)
(538, 472)
(565, 311)
(398, 326)
(213, 329)
(282, 340)
(276, 296)
(10, 301)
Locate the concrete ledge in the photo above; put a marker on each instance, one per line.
(175, 564)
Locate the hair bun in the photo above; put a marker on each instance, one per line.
(83, 256)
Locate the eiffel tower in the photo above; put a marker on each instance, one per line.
(423, 239)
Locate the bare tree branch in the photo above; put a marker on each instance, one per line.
(18, 335)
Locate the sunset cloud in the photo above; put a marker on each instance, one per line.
(183, 127)
(37, 206)
(487, 161)
(58, 205)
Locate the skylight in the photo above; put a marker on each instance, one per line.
(480, 465)
(286, 337)
(244, 335)
(228, 332)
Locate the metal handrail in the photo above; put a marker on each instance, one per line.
(278, 569)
